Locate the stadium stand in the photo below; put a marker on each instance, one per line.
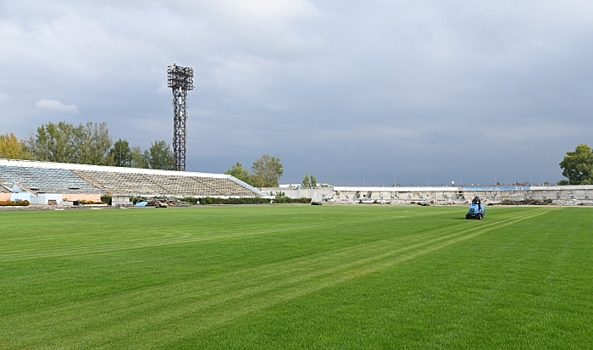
(210, 186)
(146, 184)
(59, 178)
(40, 180)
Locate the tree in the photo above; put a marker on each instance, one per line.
(121, 153)
(577, 166)
(54, 143)
(266, 171)
(306, 181)
(12, 148)
(239, 172)
(160, 156)
(63, 142)
(137, 158)
(309, 181)
(93, 144)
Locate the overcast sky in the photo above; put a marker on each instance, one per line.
(353, 92)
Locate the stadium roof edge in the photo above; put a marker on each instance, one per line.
(68, 166)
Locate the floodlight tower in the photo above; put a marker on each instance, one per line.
(181, 80)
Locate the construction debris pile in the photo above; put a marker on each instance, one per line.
(525, 202)
(163, 202)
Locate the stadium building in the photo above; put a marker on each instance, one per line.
(43, 183)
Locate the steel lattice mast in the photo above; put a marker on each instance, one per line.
(181, 80)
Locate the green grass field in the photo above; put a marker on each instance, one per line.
(297, 277)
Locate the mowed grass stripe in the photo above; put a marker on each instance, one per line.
(217, 300)
(61, 246)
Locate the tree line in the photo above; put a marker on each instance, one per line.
(88, 143)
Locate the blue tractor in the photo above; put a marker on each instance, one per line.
(476, 209)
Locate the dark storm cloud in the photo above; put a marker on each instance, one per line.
(379, 91)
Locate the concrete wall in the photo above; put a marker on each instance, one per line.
(559, 195)
(82, 197)
(20, 196)
(317, 194)
(43, 199)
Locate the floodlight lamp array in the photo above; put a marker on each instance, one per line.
(180, 77)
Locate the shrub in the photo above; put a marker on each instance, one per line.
(106, 198)
(16, 203)
(84, 201)
(282, 198)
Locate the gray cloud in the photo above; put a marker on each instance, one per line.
(346, 91)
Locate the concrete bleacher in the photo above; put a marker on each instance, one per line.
(182, 185)
(61, 178)
(123, 184)
(41, 180)
(209, 186)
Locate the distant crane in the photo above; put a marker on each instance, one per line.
(181, 80)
